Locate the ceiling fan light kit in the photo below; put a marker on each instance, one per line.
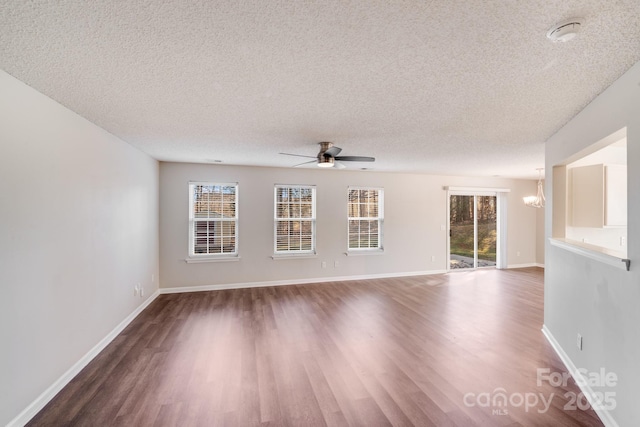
(326, 161)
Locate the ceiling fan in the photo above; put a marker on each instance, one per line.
(328, 157)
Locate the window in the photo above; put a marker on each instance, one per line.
(295, 219)
(366, 216)
(213, 219)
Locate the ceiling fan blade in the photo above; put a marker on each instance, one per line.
(298, 155)
(338, 165)
(305, 163)
(355, 159)
(333, 151)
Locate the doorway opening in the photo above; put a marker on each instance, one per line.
(473, 231)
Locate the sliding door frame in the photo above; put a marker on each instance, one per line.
(501, 221)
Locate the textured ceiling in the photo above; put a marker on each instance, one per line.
(446, 87)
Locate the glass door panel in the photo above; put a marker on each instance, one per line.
(461, 232)
(487, 223)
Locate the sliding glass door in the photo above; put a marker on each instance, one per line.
(473, 231)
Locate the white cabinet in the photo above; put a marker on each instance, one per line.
(599, 196)
(587, 191)
(615, 213)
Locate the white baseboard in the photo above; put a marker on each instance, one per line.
(41, 401)
(294, 282)
(585, 388)
(531, 264)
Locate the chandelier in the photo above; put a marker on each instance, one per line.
(536, 201)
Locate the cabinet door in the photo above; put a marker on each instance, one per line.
(615, 196)
(587, 184)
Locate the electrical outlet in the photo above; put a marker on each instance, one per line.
(135, 291)
(336, 264)
(579, 342)
(622, 240)
(433, 258)
(153, 278)
(324, 264)
(518, 253)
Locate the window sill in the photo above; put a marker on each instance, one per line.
(597, 253)
(212, 259)
(292, 256)
(356, 252)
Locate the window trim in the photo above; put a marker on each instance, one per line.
(228, 256)
(368, 251)
(294, 253)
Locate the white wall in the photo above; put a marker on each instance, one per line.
(415, 209)
(78, 228)
(586, 296)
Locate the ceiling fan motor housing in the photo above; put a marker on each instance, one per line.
(325, 160)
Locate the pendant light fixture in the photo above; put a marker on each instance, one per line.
(536, 201)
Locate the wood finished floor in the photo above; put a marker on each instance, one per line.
(379, 352)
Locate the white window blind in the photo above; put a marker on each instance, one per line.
(295, 219)
(366, 217)
(213, 219)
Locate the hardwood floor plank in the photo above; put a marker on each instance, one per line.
(408, 351)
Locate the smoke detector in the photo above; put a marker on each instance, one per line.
(565, 31)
